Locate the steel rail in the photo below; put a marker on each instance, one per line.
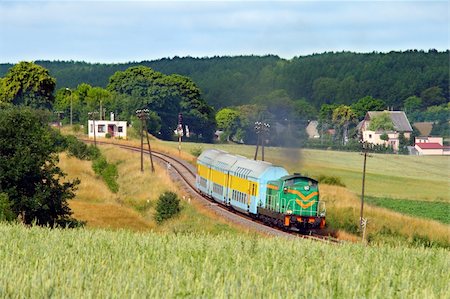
(188, 177)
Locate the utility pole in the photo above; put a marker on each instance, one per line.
(362, 221)
(92, 114)
(265, 129)
(261, 128)
(71, 100)
(258, 125)
(142, 114)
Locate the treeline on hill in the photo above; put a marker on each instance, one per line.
(326, 78)
(335, 88)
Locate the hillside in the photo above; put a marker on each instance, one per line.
(320, 78)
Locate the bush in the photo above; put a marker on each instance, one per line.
(108, 172)
(197, 151)
(107, 135)
(80, 150)
(330, 180)
(6, 214)
(167, 206)
(76, 128)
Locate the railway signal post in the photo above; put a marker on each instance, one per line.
(143, 114)
(59, 113)
(179, 131)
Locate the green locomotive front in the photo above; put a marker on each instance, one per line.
(293, 201)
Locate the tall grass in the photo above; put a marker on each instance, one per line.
(343, 212)
(133, 206)
(39, 262)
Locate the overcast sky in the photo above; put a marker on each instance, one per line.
(122, 31)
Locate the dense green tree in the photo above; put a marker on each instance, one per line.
(228, 120)
(29, 174)
(382, 122)
(326, 117)
(305, 110)
(340, 78)
(366, 104)
(433, 96)
(325, 90)
(342, 117)
(441, 129)
(412, 104)
(403, 142)
(29, 84)
(167, 96)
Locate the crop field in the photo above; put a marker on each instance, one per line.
(439, 211)
(40, 262)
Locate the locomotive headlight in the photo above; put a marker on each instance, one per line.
(306, 188)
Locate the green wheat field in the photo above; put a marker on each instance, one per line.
(42, 263)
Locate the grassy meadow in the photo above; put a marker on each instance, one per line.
(393, 176)
(133, 206)
(79, 263)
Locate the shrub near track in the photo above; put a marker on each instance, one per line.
(39, 262)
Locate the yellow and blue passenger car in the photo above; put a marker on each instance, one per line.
(260, 189)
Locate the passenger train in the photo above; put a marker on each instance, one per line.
(260, 189)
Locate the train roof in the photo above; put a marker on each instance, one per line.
(297, 176)
(239, 165)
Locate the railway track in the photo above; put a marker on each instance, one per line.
(185, 172)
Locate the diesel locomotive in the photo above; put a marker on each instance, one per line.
(260, 189)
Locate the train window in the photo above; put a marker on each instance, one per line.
(289, 182)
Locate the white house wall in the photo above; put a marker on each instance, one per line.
(101, 127)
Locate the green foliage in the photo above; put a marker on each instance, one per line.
(108, 172)
(433, 96)
(28, 168)
(196, 151)
(366, 104)
(6, 213)
(403, 142)
(342, 117)
(442, 129)
(341, 78)
(384, 137)
(81, 150)
(76, 128)
(228, 120)
(382, 122)
(412, 104)
(330, 180)
(168, 205)
(435, 210)
(29, 84)
(166, 96)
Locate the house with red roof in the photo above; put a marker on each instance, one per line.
(431, 146)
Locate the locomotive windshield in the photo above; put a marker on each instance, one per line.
(300, 181)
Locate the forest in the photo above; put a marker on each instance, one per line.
(338, 78)
(234, 92)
